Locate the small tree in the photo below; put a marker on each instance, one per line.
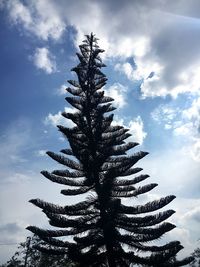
(105, 232)
(196, 255)
(28, 256)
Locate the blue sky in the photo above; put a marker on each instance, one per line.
(153, 68)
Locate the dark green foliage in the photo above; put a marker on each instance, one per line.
(196, 255)
(28, 256)
(105, 232)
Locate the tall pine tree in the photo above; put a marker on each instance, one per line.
(105, 232)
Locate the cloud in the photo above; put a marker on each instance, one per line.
(58, 119)
(118, 92)
(165, 64)
(40, 18)
(44, 60)
(130, 46)
(158, 85)
(166, 114)
(158, 55)
(136, 128)
(190, 128)
(13, 177)
(19, 13)
(184, 124)
(193, 214)
(41, 153)
(142, 69)
(195, 151)
(169, 66)
(174, 170)
(62, 89)
(193, 112)
(163, 43)
(10, 228)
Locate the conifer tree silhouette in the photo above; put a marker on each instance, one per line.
(105, 231)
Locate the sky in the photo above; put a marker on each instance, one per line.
(152, 53)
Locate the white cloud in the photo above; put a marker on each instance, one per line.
(128, 46)
(40, 18)
(17, 178)
(118, 92)
(41, 153)
(118, 121)
(58, 119)
(55, 119)
(19, 13)
(192, 149)
(43, 60)
(166, 64)
(137, 130)
(186, 82)
(62, 89)
(184, 123)
(135, 126)
(162, 43)
(195, 151)
(189, 128)
(166, 114)
(193, 214)
(184, 129)
(125, 68)
(158, 55)
(143, 70)
(175, 172)
(193, 112)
